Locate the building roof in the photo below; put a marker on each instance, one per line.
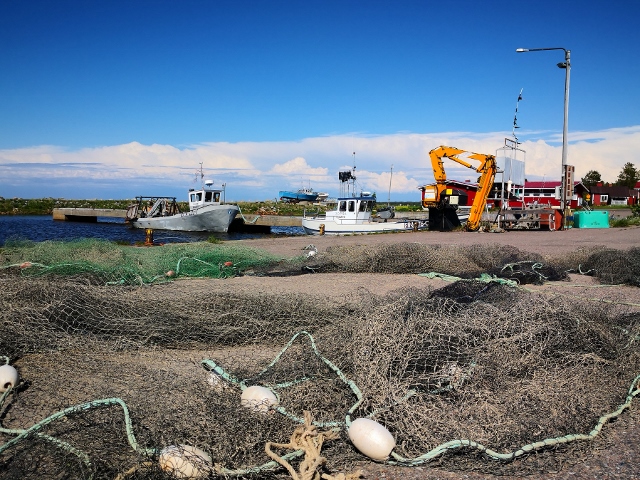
(550, 184)
(613, 190)
(545, 184)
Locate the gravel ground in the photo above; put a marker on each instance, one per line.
(543, 242)
(616, 452)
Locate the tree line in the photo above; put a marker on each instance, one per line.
(628, 177)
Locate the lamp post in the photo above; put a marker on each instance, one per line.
(567, 66)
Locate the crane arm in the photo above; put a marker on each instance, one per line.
(487, 169)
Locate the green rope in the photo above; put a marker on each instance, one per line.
(535, 266)
(59, 443)
(210, 365)
(482, 278)
(245, 220)
(21, 434)
(549, 442)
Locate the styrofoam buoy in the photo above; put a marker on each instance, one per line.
(258, 398)
(185, 461)
(170, 274)
(371, 438)
(8, 377)
(228, 264)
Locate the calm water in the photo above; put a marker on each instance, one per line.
(39, 228)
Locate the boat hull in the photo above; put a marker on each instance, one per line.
(210, 218)
(327, 226)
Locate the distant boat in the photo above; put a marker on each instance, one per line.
(322, 197)
(207, 213)
(302, 195)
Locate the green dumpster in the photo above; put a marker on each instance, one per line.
(591, 219)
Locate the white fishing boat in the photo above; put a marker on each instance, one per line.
(354, 215)
(207, 211)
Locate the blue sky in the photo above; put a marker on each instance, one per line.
(112, 99)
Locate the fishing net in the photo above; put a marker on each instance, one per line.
(103, 262)
(116, 379)
(467, 262)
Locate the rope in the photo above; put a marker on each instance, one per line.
(22, 434)
(482, 278)
(306, 438)
(245, 220)
(548, 442)
(210, 365)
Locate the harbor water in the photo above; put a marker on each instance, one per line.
(39, 228)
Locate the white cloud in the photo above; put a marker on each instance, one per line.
(258, 170)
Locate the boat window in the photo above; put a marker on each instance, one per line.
(208, 196)
(216, 197)
(363, 206)
(343, 206)
(193, 197)
(352, 206)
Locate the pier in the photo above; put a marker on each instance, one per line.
(86, 214)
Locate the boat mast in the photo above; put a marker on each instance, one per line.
(353, 177)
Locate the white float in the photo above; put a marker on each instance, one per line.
(371, 438)
(185, 461)
(258, 398)
(8, 377)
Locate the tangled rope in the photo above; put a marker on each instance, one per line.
(308, 439)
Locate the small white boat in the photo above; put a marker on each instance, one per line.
(207, 213)
(354, 215)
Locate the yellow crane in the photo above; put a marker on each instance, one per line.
(443, 202)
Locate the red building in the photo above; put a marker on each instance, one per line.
(602, 194)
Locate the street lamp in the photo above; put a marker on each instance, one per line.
(567, 66)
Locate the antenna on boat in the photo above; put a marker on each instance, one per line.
(200, 174)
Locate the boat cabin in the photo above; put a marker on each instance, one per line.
(356, 204)
(206, 196)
